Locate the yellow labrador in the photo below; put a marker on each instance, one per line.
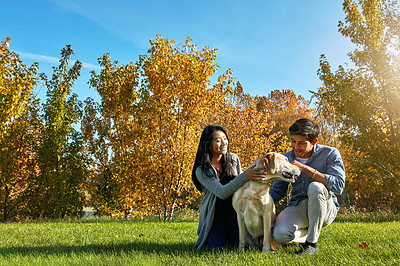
(254, 206)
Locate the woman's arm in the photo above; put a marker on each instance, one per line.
(215, 187)
(224, 191)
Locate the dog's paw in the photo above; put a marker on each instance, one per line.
(266, 249)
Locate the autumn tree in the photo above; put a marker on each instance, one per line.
(249, 126)
(366, 99)
(175, 98)
(19, 126)
(17, 82)
(57, 191)
(110, 132)
(154, 134)
(284, 107)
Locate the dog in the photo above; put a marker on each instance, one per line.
(254, 206)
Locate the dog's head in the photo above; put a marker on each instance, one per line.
(278, 167)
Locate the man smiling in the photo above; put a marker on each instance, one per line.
(313, 203)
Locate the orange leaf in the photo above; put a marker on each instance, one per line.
(364, 246)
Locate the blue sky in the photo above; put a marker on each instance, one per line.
(268, 44)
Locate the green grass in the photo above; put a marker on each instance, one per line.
(98, 241)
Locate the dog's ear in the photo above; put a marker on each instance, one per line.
(269, 163)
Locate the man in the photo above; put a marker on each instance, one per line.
(313, 203)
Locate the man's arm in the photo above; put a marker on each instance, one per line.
(335, 172)
(334, 178)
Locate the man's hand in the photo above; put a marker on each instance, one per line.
(313, 173)
(299, 165)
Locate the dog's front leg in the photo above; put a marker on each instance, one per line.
(267, 232)
(242, 230)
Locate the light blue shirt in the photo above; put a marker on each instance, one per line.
(326, 160)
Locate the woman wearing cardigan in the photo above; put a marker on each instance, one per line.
(218, 174)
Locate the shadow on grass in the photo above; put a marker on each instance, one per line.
(124, 248)
(367, 218)
(105, 220)
(145, 247)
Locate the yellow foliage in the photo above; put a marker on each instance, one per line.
(154, 134)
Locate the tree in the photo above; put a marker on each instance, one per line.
(174, 100)
(16, 85)
(149, 118)
(19, 126)
(110, 132)
(284, 107)
(249, 126)
(57, 191)
(365, 98)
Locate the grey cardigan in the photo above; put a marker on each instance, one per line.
(212, 189)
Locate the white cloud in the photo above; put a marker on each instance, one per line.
(37, 57)
(90, 66)
(50, 59)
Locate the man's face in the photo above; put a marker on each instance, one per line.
(302, 147)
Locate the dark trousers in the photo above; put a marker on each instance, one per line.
(224, 230)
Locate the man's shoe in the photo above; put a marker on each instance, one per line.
(307, 248)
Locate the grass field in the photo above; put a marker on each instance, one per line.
(99, 241)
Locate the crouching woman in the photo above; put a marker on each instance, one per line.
(218, 174)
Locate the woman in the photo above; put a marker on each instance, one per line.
(218, 174)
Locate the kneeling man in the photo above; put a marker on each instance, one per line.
(313, 203)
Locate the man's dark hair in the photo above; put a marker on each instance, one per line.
(305, 127)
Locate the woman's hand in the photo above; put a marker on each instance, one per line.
(254, 174)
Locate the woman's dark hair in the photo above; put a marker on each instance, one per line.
(305, 127)
(204, 155)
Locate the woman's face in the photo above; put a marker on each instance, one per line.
(219, 144)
